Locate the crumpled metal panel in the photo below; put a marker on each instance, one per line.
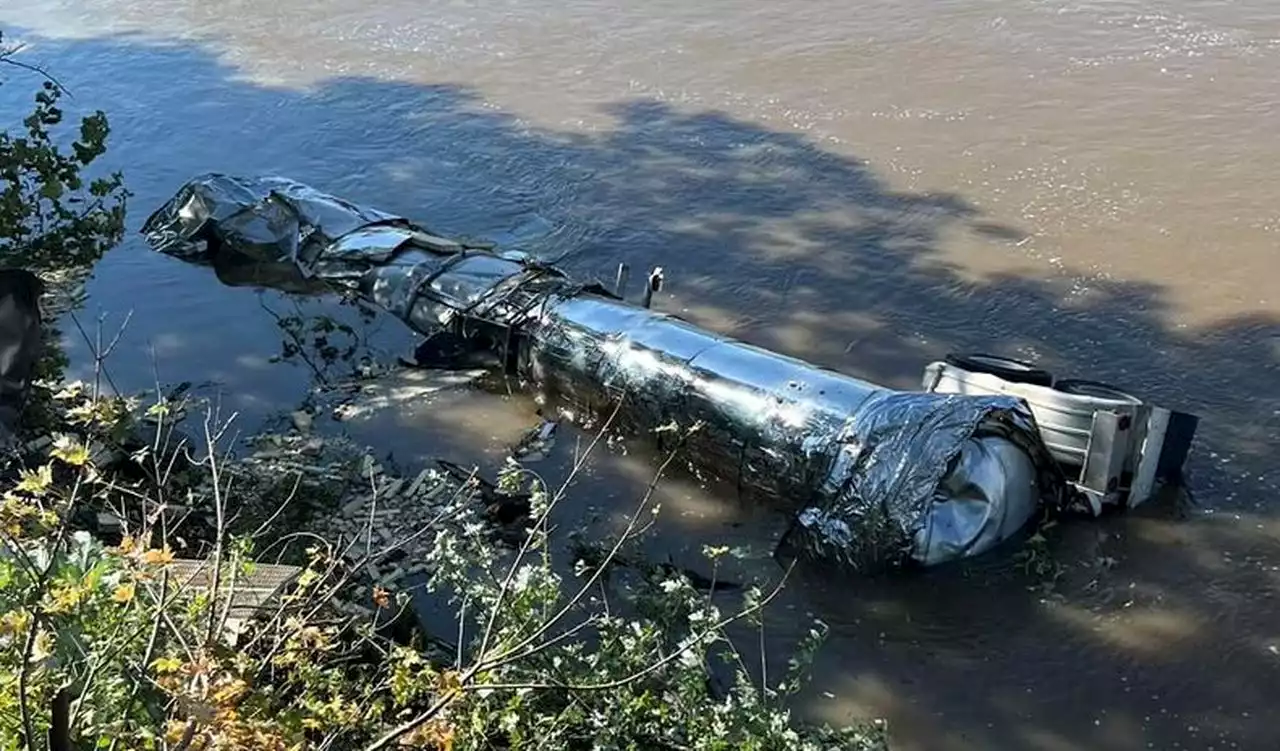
(878, 476)
(881, 475)
(929, 480)
(267, 219)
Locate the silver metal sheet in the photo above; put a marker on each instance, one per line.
(880, 476)
(395, 286)
(471, 277)
(375, 244)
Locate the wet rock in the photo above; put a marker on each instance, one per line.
(302, 421)
(536, 443)
(418, 482)
(507, 510)
(108, 522)
(104, 455)
(391, 489)
(39, 444)
(314, 447)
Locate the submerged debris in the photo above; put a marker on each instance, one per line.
(385, 524)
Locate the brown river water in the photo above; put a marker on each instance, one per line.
(867, 185)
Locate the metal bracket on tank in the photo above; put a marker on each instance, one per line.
(1128, 450)
(655, 284)
(620, 281)
(1109, 450)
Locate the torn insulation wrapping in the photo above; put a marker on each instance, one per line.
(879, 476)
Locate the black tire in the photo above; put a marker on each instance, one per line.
(1095, 390)
(1015, 371)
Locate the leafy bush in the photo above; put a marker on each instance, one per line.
(51, 216)
(112, 646)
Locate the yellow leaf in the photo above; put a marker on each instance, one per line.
(65, 597)
(381, 597)
(166, 665)
(175, 730)
(14, 623)
(158, 556)
(71, 451)
(126, 547)
(230, 692)
(123, 593)
(43, 647)
(36, 482)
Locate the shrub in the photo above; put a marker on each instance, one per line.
(109, 645)
(51, 216)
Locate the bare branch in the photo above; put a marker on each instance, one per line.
(579, 463)
(6, 58)
(599, 570)
(652, 668)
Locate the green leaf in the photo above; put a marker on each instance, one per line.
(52, 190)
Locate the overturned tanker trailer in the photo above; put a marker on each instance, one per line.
(880, 477)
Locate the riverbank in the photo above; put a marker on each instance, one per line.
(108, 635)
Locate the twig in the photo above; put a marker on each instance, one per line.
(28, 732)
(524, 546)
(219, 509)
(523, 650)
(41, 582)
(465, 679)
(342, 581)
(279, 509)
(407, 727)
(100, 354)
(598, 571)
(6, 57)
(187, 736)
(650, 669)
(146, 655)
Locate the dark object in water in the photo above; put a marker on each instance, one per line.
(445, 350)
(504, 509)
(20, 327)
(879, 475)
(698, 581)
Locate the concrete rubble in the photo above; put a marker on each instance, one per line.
(386, 519)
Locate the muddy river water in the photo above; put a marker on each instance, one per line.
(867, 185)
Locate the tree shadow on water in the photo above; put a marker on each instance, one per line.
(1152, 636)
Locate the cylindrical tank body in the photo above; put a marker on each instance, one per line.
(880, 474)
(877, 475)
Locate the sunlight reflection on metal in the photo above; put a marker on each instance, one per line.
(878, 476)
